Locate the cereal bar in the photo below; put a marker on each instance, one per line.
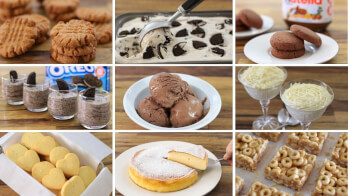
(272, 136)
(239, 184)
(259, 189)
(311, 142)
(340, 152)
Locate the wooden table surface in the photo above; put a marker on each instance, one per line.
(273, 8)
(219, 77)
(41, 53)
(125, 6)
(335, 117)
(18, 117)
(214, 142)
(104, 137)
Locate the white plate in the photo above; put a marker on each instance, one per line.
(267, 24)
(202, 89)
(207, 180)
(258, 50)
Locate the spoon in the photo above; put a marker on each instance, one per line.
(184, 9)
(283, 117)
(218, 160)
(290, 122)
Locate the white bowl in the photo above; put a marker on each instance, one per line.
(203, 89)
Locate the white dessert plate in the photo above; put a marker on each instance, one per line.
(207, 180)
(258, 50)
(267, 24)
(203, 89)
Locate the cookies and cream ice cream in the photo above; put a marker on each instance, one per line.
(308, 97)
(172, 102)
(190, 38)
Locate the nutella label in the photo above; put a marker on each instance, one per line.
(308, 11)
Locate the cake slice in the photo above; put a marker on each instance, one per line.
(197, 161)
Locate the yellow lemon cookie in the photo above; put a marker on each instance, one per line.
(45, 145)
(54, 180)
(29, 139)
(73, 187)
(28, 160)
(15, 151)
(41, 169)
(87, 174)
(70, 165)
(57, 154)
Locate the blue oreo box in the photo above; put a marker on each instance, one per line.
(66, 72)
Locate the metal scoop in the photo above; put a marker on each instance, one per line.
(184, 9)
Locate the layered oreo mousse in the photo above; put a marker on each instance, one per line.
(94, 108)
(62, 100)
(35, 95)
(12, 88)
(189, 39)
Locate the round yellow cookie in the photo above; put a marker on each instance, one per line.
(57, 154)
(73, 187)
(29, 139)
(70, 165)
(54, 180)
(28, 160)
(45, 145)
(15, 151)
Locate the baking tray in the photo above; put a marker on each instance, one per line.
(250, 177)
(123, 18)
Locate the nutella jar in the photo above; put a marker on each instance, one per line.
(313, 14)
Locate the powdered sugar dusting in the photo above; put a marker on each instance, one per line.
(152, 162)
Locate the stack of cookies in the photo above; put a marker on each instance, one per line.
(100, 19)
(73, 42)
(10, 9)
(289, 45)
(61, 10)
(247, 19)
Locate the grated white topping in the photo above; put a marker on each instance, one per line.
(263, 77)
(152, 162)
(308, 97)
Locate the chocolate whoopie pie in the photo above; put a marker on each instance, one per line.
(250, 18)
(306, 34)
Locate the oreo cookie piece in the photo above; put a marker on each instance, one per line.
(176, 24)
(197, 22)
(92, 81)
(89, 93)
(216, 39)
(145, 18)
(162, 51)
(198, 44)
(133, 31)
(62, 85)
(31, 78)
(228, 21)
(148, 54)
(178, 49)
(199, 32)
(123, 33)
(220, 26)
(13, 76)
(77, 80)
(218, 51)
(182, 33)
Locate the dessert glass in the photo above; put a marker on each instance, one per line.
(264, 96)
(94, 113)
(13, 92)
(35, 96)
(62, 104)
(305, 117)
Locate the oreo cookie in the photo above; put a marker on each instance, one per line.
(178, 49)
(216, 39)
(199, 32)
(198, 44)
(78, 81)
(62, 85)
(182, 33)
(123, 33)
(197, 22)
(218, 51)
(176, 24)
(148, 54)
(145, 18)
(228, 21)
(31, 78)
(13, 76)
(92, 81)
(89, 93)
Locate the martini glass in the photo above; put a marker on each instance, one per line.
(264, 96)
(306, 116)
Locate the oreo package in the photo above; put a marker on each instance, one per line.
(83, 76)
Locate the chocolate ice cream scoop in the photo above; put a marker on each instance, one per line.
(153, 113)
(166, 89)
(186, 112)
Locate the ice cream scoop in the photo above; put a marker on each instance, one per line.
(182, 10)
(167, 89)
(153, 113)
(186, 111)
